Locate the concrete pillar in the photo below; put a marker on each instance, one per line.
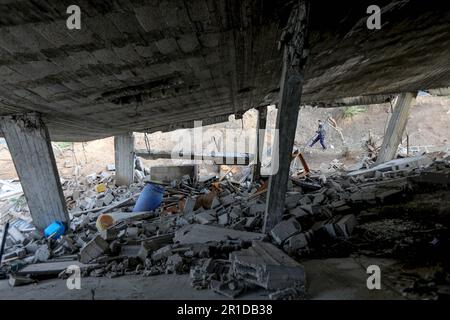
(260, 133)
(31, 150)
(124, 158)
(396, 127)
(294, 60)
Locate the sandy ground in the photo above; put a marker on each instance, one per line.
(428, 127)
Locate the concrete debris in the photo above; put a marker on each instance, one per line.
(265, 265)
(211, 228)
(93, 249)
(284, 230)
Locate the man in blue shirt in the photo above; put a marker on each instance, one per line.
(320, 136)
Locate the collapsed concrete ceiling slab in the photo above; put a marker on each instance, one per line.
(154, 65)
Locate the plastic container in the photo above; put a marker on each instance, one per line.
(150, 198)
(55, 230)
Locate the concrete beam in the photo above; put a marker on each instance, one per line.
(218, 158)
(31, 150)
(260, 134)
(124, 158)
(396, 127)
(292, 78)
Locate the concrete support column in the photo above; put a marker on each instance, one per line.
(396, 127)
(124, 158)
(294, 60)
(31, 150)
(260, 134)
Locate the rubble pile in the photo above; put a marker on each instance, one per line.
(211, 228)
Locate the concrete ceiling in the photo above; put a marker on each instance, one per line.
(154, 65)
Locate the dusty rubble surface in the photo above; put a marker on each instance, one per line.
(211, 229)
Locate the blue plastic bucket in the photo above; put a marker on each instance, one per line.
(150, 198)
(55, 230)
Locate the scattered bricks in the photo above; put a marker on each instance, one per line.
(227, 200)
(257, 209)
(174, 264)
(284, 230)
(93, 249)
(266, 266)
(206, 217)
(189, 205)
(345, 225)
(162, 253)
(107, 199)
(292, 199)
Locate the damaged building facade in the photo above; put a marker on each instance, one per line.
(147, 66)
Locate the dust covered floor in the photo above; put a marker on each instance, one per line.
(337, 278)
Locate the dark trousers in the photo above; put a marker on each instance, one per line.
(321, 139)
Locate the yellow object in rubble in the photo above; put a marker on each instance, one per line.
(100, 188)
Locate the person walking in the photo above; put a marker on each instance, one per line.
(320, 136)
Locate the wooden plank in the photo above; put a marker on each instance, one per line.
(29, 143)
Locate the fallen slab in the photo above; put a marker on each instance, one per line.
(51, 268)
(197, 233)
(266, 266)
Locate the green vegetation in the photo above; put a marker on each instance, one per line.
(64, 145)
(352, 111)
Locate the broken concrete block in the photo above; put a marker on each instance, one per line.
(189, 205)
(292, 199)
(93, 249)
(257, 209)
(284, 230)
(42, 254)
(230, 289)
(174, 264)
(153, 244)
(198, 233)
(132, 232)
(345, 225)
(227, 200)
(298, 212)
(223, 219)
(107, 199)
(318, 199)
(162, 253)
(206, 217)
(296, 242)
(266, 266)
(16, 280)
